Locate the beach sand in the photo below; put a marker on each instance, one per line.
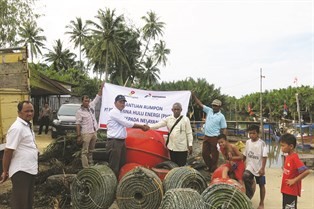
(273, 199)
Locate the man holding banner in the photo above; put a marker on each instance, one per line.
(116, 134)
(180, 137)
(215, 125)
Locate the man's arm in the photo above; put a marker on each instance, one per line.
(197, 101)
(143, 127)
(8, 153)
(100, 90)
(224, 131)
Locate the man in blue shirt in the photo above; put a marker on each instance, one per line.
(215, 124)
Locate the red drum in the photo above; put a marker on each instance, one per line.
(145, 148)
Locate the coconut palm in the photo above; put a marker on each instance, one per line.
(152, 29)
(161, 52)
(30, 35)
(61, 59)
(150, 74)
(78, 33)
(106, 39)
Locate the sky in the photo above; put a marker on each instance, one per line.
(228, 43)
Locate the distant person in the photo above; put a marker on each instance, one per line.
(294, 171)
(116, 134)
(20, 159)
(234, 159)
(45, 115)
(215, 124)
(87, 126)
(255, 157)
(180, 139)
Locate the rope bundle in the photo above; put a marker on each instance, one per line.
(183, 198)
(94, 188)
(185, 177)
(225, 196)
(139, 188)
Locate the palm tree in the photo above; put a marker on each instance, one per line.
(160, 53)
(61, 59)
(78, 33)
(107, 39)
(151, 73)
(30, 34)
(152, 29)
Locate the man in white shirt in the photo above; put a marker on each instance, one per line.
(116, 134)
(180, 139)
(20, 159)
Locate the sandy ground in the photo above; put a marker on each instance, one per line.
(273, 182)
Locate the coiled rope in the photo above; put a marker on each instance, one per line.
(225, 196)
(185, 177)
(139, 188)
(94, 188)
(183, 198)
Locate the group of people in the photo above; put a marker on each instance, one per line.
(20, 160)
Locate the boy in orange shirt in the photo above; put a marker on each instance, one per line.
(293, 172)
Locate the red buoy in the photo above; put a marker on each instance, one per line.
(145, 148)
(126, 168)
(161, 172)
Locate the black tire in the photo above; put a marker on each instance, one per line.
(167, 165)
(54, 134)
(100, 144)
(100, 154)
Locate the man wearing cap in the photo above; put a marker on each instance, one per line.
(116, 134)
(215, 124)
(87, 126)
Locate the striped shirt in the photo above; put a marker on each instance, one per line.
(86, 117)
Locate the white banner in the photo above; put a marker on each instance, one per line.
(142, 106)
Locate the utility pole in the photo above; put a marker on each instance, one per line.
(261, 103)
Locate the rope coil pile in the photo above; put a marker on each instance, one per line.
(185, 177)
(225, 196)
(94, 188)
(183, 198)
(139, 188)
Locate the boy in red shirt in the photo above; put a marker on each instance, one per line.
(293, 172)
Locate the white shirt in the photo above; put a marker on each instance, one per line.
(21, 139)
(181, 136)
(254, 153)
(117, 124)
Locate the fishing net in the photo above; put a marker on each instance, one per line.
(225, 196)
(139, 188)
(185, 177)
(94, 188)
(183, 198)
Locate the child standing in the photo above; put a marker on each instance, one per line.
(233, 157)
(255, 157)
(293, 172)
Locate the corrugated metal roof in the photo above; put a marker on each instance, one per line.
(41, 85)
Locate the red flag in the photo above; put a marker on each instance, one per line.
(285, 109)
(249, 109)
